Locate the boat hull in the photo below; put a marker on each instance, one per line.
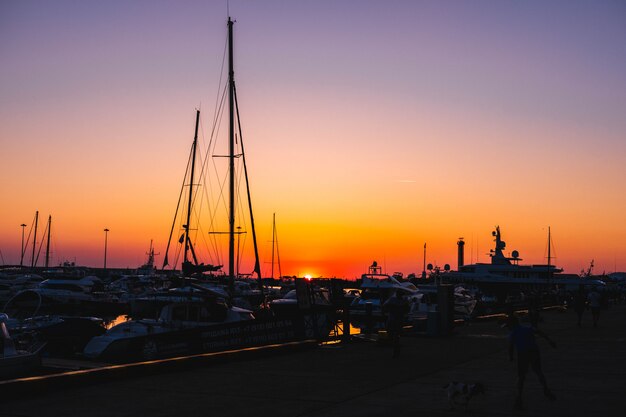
(202, 339)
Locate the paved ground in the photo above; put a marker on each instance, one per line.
(587, 372)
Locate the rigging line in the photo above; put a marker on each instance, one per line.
(209, 151)
(200, 230)
(553, 256)
(245, 239)
(204, 193)
(219, 108)
(198, 209)
(43, 237)
(30, 231)
(275, 232)
(257, 265)
(213, 249)
(219, 198)
(216, 125)
(240, 213)
(222, 72)
(177, 254)
(180, 197)
(214, 133)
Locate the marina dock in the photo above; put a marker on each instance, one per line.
(586, 372)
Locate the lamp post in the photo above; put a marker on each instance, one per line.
(22, 253)
(106, 235)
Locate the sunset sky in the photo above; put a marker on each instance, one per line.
(371, 127)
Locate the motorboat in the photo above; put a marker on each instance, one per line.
(63, 335)
(17, 360)
(183, 327)
(68, 295)
(375, 289)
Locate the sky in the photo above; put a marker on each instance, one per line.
(371, 128)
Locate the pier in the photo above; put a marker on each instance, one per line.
(586, 372)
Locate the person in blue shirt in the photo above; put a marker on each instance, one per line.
(396, 308)
(522, 340)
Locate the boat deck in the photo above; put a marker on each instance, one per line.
(361, 379)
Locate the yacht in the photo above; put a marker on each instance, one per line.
(506, 273)
(375, 289)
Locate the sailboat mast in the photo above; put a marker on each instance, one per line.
(280, 272)
(190, 200)
(231, 156)
(32, 259)
(549, 257)
(233, 91)
(273, 238)
(48, 241)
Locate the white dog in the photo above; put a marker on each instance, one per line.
(460, 393)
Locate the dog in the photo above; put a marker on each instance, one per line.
(460, 393)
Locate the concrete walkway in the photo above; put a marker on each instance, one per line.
(587, 372)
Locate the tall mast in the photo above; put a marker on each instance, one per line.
(549, 257)
(231, 156)
(32, 259)
(273, 239)
(424, 267)
(234, 107)
(48, 241)
(190, 200)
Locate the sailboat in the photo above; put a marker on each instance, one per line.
(197, 318)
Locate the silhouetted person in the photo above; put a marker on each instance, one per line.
(396, 308)
(595, 299)
(580, 303)
(522, 340)
(534, 317)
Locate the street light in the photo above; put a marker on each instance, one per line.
(106, 235)
(22, 253)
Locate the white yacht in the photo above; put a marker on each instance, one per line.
(507, 272)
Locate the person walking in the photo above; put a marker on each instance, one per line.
(522, 340)
(396, 308)
(595, 300)
(580, 303)
(534, 315)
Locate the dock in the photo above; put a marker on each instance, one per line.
(360, 378)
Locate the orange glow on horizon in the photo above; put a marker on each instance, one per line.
(365, 152)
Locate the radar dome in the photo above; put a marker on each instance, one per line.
(515, 254)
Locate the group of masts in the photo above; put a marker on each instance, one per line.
(187, 266)
(34, 259)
